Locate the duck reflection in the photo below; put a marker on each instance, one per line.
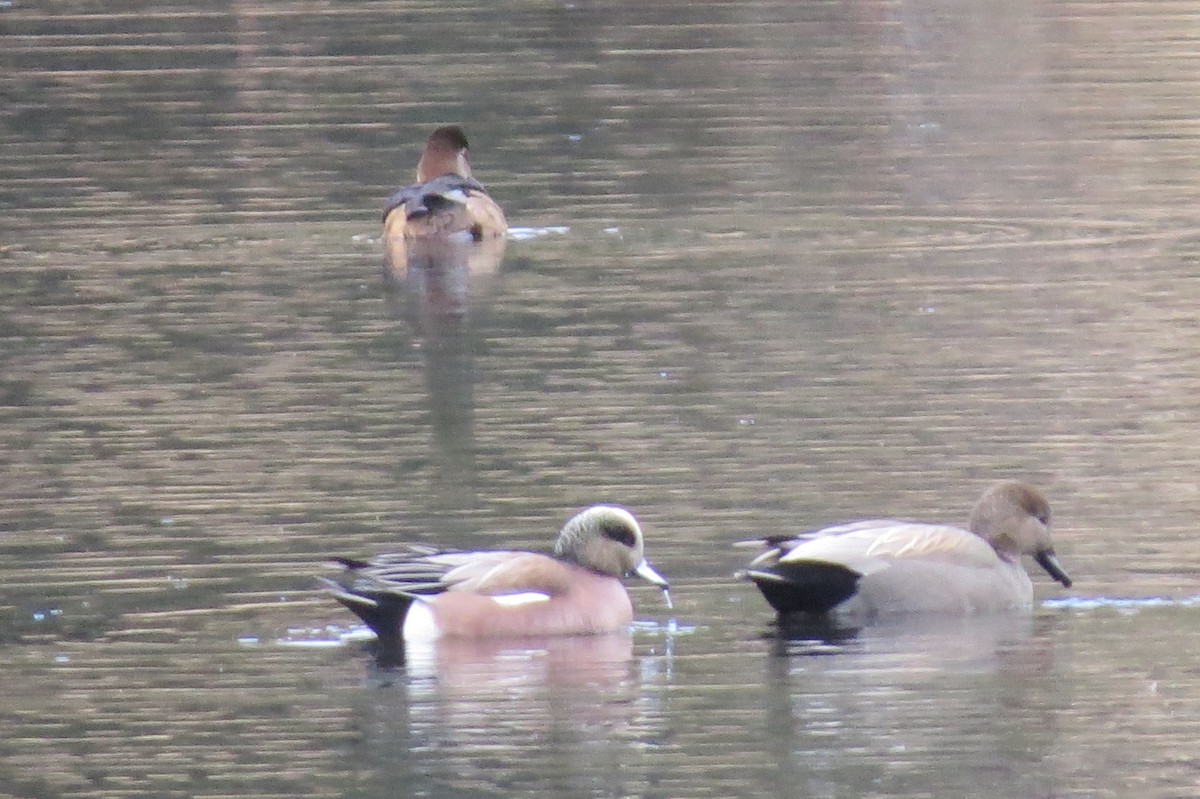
(436, 289)
(507, 716)
(906, 693)
(996, 640)
(1003, 642)
(439, 277)
(803, 633)
(469, 670)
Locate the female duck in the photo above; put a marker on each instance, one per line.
(445, 202)
(883, 566)
(425, 593)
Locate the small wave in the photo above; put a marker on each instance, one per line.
(329, 637)
(669, 627)
(528, 233)
(1120, 603)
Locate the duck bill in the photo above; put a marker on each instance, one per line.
(647, 573)
(1047, 560)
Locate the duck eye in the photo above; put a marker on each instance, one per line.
(620, 533)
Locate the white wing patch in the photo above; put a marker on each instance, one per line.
(517, 600)
(456, 195)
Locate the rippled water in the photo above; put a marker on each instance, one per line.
(777, 265)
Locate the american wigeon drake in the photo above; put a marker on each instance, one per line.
(883, 566)
(445, 201)
(423, 593)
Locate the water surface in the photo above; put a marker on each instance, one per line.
(783, 264)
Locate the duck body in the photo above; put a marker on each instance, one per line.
(444, 203)
(885, 566)
(449, 205)
(422, 593)
(871, 567)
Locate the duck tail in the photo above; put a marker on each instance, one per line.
(383, 612)
(809, 587)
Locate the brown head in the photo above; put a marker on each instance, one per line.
(445, 154)
(1014, 518)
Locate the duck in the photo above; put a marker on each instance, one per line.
(445, 202)
(423, 593)
(879, 567)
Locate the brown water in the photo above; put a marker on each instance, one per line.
(779, 264)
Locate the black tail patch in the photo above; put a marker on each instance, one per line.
(806, 587)
(385, 617)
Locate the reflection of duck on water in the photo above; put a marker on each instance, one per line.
(443, 229)
(440, 276)
(563, 708)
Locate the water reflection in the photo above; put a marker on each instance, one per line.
(911, 642)
(869, 252)
(441, 277)
(945, 701)
(556, 714)
(468, 670)
(437, 286)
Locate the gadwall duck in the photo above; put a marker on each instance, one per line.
(884, 566)
(445, 201)
(423, 593)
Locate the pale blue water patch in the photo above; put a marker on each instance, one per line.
(44, 615)
(666, 629)
(333, 635)
(804, 647)
(515, 233)
(529, 233)
(312, 643)
(330, 636)
(1125, 604)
